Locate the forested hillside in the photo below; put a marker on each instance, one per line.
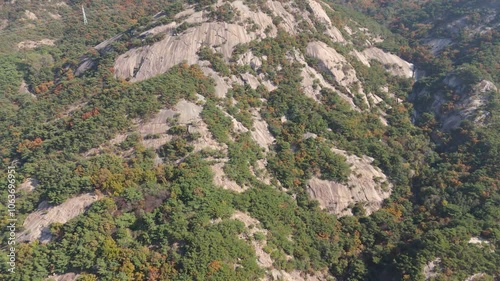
(251, 140)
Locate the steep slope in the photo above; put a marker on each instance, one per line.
(182, 39)
(454, 50)
(185, 46)
(457, 100)
(243, 140)
(454, 46)
(36, 225)
(193, 38)
(198, 37)
(366, 186)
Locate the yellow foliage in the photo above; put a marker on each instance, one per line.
(128, 268)
(87, 277)
(110, 249)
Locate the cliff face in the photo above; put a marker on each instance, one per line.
(394, 64)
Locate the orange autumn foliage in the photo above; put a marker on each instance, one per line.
(27, 144)
(214, 266)
(93, 112)
(44, 87)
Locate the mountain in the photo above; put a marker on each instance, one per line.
(454, 49)
(244, 140)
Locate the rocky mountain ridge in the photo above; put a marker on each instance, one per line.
(278, 133)
(177, 46)
(323, 67)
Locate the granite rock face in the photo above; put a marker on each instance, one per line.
(330, 60)
(394, 64)
(36, 225)
(191, 30)
(366, 185)
(141, 63)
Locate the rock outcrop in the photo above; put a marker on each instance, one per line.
(261, 133)
(182, 39)
(148, 61)
(156, 126)
(296, 275)
(30, 15)
(34, 44)
(394, 64)
(223, 181)
(432, 269)
(470, 106)
(476, 277)
(469, 102)
(366, 185)
(332, 61)
(478, 240)
(64, 277)
(451, 97)
(253, 226)
(36, 225)
(28, 185)
(437, 44)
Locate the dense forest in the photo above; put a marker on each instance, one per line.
(168, 220)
